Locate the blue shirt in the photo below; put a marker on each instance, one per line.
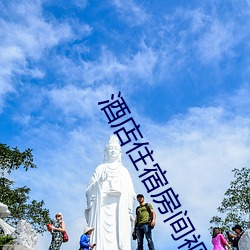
(84, 242)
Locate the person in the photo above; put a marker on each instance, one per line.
(141, 224)
(110, 198)
(218, 240)
(231, 240)
(85, 239)
(56, 231)
(236, 237)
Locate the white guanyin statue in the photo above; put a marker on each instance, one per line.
(4, 212)
(244, 242)
(24, 236)
(110, 197)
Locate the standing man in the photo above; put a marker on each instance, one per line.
(238, 230)
(144, 223)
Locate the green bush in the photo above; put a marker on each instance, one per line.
(6, 240)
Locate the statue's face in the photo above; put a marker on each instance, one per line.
(113, 150)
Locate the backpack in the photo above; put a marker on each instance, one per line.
(150, 218)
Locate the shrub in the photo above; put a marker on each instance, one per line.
(6, 240)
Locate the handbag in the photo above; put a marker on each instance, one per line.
(65, 236)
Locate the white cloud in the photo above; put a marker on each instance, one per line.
(105, 69)
(25, 35)
(142, 64)
(198, 33)
(32, 33)
(240, 101)
(79, 102)
(80, 3)
(123, 70)
(217, 42)
(131, 12)
(198, 19)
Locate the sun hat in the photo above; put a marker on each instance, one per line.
(59, 213)
(87, 229)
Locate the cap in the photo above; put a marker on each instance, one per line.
(237, 227)
(140, 195)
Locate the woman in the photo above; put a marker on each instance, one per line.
(218, 240)
(56, 231)
(84, 240)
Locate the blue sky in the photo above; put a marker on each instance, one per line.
(181, 66)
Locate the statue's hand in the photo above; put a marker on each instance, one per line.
(104, 175)
(90, 201)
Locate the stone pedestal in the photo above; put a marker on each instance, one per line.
(13, 247)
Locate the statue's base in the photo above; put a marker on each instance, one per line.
(13, 247)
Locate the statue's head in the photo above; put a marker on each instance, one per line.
(4, 211)
(112, 150)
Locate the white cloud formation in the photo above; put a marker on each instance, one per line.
(123, 70)
(131, 12)
(217, 42)
(80, 3)
(106, 68)
(197, 33)
(25, 40)
(79, 102)
(143, 63)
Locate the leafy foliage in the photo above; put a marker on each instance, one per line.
(6, 240)
(11, 159)
(17, 199)
(236, 204)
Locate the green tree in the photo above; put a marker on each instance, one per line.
(235, 206)
(17, 199)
